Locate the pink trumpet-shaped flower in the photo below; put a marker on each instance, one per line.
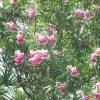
(97, 52)
(97, 96)
(52, 39)
(85, 15)
(87, 98)
(45, 54)
(35, 60)
(19, 59)
(74, 72)
(77, 12)
(63, 88)
(12, 26)
(93, 57)
(20, 39)
(42, 40)
(31, 13)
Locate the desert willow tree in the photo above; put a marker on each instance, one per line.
(40, 38)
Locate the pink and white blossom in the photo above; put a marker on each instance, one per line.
(77, 12)
(20, 39)
(31, 13)
(52, 39)
(42, 40)
(35, 60)
(74, 72)
(93, 57)
(85, 14)
(45, 54)
(12, 26)
(97, 52)
(19, 59)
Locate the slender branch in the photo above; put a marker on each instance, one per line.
(22, 85)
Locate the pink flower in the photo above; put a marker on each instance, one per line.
(87, 98)
(19, 59)
(45, 54)
(42, 40)
(31, 13)
(74, 72)
(20, 39)
(13, 2)
(35, 60)
(63, 88)
(93, 57)
(12, 26)
(97, 52)
(65, 2)
(52, 39)
(98, 87)
(97, 96)
(77, 12)
(85, 15)
(32, 54)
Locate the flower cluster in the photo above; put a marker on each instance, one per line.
(81, 13)
(43, 40)
(36, 57)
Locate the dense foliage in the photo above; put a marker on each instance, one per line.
(50, 49)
